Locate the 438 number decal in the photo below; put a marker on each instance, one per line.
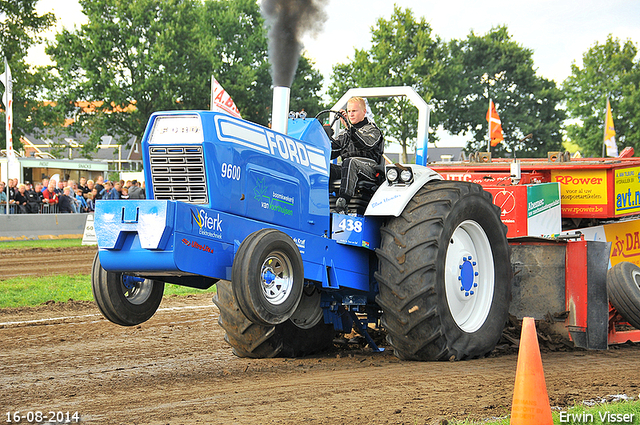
(351, 225)
(230, 171)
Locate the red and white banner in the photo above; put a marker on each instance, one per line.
(221, 101)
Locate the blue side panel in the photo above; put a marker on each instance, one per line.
(203, 256)
(356, 231)
(274, 197)
(310, 131)
(324, 260)
(279, 176)
(203, 241)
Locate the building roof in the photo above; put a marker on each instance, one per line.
(453, 154)
(108, 150)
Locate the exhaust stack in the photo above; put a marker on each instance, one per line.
(280, 114)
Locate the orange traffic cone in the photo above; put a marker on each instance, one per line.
(530, 404)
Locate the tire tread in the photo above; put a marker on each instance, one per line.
(407, 276)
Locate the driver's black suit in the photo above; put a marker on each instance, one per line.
(361, 147)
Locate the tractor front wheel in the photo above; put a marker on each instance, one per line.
(123, 299)
(445, 274)
(268, 277)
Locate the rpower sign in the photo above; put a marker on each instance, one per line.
(582, 192)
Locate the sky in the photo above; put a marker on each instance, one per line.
(558, 32)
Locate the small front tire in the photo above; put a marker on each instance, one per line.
(268, 277)
(124, 300)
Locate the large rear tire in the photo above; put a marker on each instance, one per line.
(445, 274)
(249, 339)
(122, 299)
(623, 286)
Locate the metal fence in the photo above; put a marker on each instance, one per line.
(30, 209)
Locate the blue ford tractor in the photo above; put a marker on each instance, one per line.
(248, 208)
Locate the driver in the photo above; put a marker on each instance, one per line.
(360, 146)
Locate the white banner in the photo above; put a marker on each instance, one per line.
(7, 100)
(89, 235)
(221, 101)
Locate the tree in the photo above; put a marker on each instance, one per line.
(495, 67)
(141, 56)
(20, 27)
(403, 53)
(240, 63)
(306, 87)
(129, 60)
(234, 43)
(608, 70)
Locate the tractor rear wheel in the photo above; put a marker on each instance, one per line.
(253, 340)
(623, 286)
(445, 274)
(124, 300)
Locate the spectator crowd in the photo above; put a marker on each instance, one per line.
(69, 196)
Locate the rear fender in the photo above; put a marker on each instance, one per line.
(390, 200)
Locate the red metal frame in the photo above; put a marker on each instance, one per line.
(620, 337)
(576, 298)
(496, 174)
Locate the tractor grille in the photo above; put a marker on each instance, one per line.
(178, 173)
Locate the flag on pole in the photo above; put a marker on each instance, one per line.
(7, 100)
(610, 133)
(221, 101)
(495, 126)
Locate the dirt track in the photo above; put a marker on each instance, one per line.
(43, 262)
(177, 369)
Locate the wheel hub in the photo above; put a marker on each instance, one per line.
(467, 276)
(276, 275)
(136, 289)
(130, 282)
(268, 276)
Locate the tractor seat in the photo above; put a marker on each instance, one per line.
(364, 191)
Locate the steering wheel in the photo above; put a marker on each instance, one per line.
(338, 115)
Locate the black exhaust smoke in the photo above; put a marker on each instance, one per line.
(289, 20)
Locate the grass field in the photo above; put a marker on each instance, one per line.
(36, 243)
(32, 291)
(600, 413)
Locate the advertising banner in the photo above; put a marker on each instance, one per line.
(529, 210)
(627, 191)
(583, 193)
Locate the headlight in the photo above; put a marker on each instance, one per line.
(406, 176)
(399, 175)
(392, 175)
